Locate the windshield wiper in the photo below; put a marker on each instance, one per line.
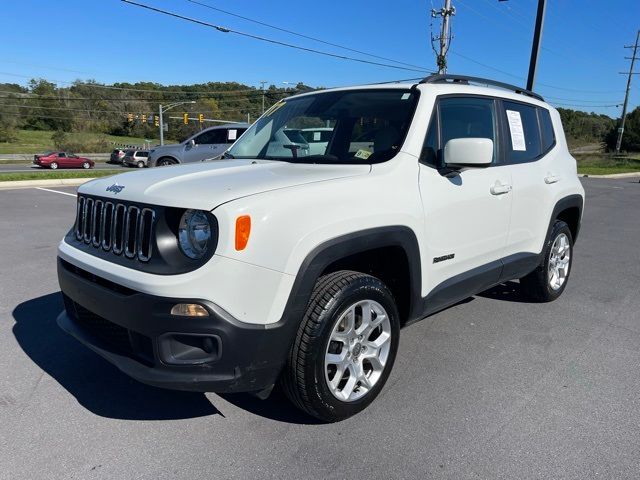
(227, 155)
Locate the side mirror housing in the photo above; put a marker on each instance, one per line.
(468, 152)
(192, 143)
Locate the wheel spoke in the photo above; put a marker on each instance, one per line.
(336, 358)
(355, 370)
(347, 390)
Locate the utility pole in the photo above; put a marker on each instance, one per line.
(535, 47)
(626, 95)
(445, 36)
(262, 82)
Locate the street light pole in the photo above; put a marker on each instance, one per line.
(162, 110)
(535, 48)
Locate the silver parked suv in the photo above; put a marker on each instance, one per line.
(202, 146)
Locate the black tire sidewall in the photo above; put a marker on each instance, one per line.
(362, 288)
(558, 228)
(53, 165)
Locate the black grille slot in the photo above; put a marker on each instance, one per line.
(107, 225)
(88, 219)
(96, 226)
(131, 231)
(116, 227)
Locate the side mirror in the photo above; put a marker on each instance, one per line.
(468, 152)
(192, 143)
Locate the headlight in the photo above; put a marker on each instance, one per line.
(194, 233)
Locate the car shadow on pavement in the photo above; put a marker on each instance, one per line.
(95, 383)
(507, 292)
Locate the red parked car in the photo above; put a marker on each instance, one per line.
(55, 160)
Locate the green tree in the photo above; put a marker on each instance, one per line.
(631, 136)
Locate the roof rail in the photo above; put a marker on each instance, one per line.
(466, 80)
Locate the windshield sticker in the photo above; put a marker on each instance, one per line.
(273, 108)
(517, 133)
(363, 154)
(233, 134)
(405, 96)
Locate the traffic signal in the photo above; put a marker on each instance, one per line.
(144, 118)
(130, 117)
(185, 118)
(156, 120)
(201, 118)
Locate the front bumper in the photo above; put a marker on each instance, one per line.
(136, 332)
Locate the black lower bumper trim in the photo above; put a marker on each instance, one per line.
(129, 330)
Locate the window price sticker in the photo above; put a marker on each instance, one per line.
(517, 132)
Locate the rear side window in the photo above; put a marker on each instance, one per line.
(142, 154)
(548, 135)
(523, 132)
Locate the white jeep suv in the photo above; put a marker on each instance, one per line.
(300, 269)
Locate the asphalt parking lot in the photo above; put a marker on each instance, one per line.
(494, 387)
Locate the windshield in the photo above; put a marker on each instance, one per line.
(358, 126)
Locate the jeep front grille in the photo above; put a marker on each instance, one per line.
(116, 227)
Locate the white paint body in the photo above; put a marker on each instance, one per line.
(296, 207)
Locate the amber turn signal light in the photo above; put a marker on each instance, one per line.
(243, 230)
(189, 310)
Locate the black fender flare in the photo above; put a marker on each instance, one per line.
(343, 246)
(571, 201)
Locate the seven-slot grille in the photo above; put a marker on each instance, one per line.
(116, 227)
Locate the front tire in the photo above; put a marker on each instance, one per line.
(53, 166)
(86, 165)
(345, 346)
(549, 279)
(165, 162)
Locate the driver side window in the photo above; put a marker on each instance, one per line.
(459, 117)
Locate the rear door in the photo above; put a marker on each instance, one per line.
(467, 211)
(529, 155)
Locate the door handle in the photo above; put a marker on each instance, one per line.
(500, 189)
(551, 179)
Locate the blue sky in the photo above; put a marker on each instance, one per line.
(110, 41)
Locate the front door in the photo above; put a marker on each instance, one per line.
(467, 210)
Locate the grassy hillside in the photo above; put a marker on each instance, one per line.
(38, 141)
(602, 164)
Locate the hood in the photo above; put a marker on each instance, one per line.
(206, 185)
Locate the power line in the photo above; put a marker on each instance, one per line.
(522, 78)
(124, 111)
(270, 40)
(301, 35)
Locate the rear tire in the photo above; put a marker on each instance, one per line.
(345, 346)
(140, 164)
(549, 279)
(53, 166)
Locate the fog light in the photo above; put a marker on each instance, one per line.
(189, 310)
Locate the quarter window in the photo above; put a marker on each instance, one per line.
(548, 135)
(523, 132)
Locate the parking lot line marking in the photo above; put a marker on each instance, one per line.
(55, 191)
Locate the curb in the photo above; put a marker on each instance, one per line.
(60, 182)
(612, 175)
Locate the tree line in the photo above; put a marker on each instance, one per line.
(97, 108)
